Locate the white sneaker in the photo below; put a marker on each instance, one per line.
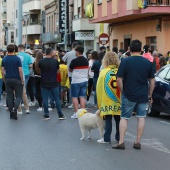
(71, 106)
(20, 113)
(74, 116)
(40, 109)
(88, 102)
(50, 109)
(22, 104)
(31, 104)
(27, 111)
(101, 141)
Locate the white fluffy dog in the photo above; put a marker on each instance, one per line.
(89, 121)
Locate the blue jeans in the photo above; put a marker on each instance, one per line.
(78, 89)
(55, 94)
(26, 80)
(1, 83)
(127, 108)
(108, 128)
(94, 86)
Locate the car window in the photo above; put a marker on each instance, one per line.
(168, 76)
(164, 74)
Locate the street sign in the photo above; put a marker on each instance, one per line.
(103, 39)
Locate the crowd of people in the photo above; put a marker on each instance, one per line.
(53, 79)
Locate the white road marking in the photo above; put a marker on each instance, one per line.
(151, 143)
(164, 122)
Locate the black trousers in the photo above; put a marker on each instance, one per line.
(14, 87)
(38, 90)
(89, 88)
(30, 88)
(108, 127)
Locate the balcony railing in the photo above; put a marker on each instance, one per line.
(158, 2)
(25, 1)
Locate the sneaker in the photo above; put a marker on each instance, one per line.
(62, 117)
(31, 104)
(4, 105)
(22, 104)
(27, 111)
(119, 146)
(19, 113)
(71, 106)
(40, 109)
(13, 114)
(50, 109)
(74, 116)
(46, 117)
(137, 146)
(101, 141)
(88, 102)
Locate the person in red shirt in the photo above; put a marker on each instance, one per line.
(156, 58)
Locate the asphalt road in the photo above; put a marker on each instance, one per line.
(31, 143)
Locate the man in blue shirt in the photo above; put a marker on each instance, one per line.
(132, 78)
(13, 77)
(27, 64)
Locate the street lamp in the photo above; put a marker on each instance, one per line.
(26, 17)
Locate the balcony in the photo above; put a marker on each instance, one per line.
(32, 29)
(118, 11)
(30, 5)
(82, 24)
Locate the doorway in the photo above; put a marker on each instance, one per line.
(126, 43)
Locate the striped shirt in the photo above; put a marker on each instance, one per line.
(80, 67)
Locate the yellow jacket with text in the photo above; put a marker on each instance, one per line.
(108, 93)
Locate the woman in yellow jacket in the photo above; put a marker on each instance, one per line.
(108, 95)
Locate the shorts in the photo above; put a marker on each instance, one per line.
(127, 108)
(78, 89)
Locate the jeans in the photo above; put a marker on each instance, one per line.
(55, 94)
(108, 128)
(94, 85)
(1, 83)
(31, 88)
(14, 87)
(127, 107)
(145, 3)
(38, 90)
(26, 80)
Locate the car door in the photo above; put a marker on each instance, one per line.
(161, 92)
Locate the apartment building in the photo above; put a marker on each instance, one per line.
(84, 31)
(31, 21)
(10, 21)
(3, 26)
(127, 22)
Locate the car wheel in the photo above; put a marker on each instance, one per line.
(152, 112)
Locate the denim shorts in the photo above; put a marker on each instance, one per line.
(78, 89)
(127, 108)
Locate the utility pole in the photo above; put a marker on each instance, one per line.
(65, 33)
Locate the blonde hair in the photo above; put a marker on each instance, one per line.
(110, 58)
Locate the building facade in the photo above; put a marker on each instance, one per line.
(127, 22)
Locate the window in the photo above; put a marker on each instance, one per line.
(165, 74)
(12, 37)
(16, 32)
(99, 1)
(152, 42)
(33, 18)
(115, 43)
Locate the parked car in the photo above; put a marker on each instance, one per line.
(161, 93)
